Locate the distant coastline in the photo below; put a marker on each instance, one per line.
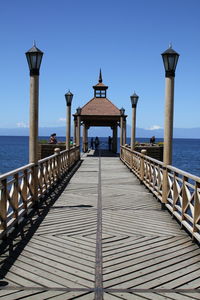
(188, 133)
(128, 137)
(14, 152)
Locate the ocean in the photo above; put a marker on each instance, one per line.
(14, 152)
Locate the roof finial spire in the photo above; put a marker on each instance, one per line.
(100, 76)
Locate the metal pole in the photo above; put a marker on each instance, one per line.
(114, 143)
(78, 130)
(75, 129)
(33, 123)
(133, 127)
(124, 134)
(121, 130)
(68, 127)
(169, 115)
(84, 138)
(168, 135)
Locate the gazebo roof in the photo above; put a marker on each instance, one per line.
(99, 111)
(100, 107)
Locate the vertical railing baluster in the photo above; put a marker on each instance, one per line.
(58, 159)
(34, 183)
(25, 188)
(159, 181)
(165, 187)
(3, 204)
(184, 198)
(175, 192)
(15, 196)
(143, 153)
(196, 206)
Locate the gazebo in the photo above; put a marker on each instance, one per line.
(99, 111)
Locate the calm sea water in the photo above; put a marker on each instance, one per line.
(14, 152)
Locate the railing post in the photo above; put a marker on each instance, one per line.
(69, 158)
(121, 153)
(35, 183)
(59, 172)
(143, 153)
(164, 187)
(131, 160)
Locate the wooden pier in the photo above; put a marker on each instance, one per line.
(100, 235)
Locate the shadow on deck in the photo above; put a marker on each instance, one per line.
(102, 237)
(102, 152)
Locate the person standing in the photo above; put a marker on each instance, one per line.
(109, 143)
(92, 143)
(53, 139)
(152, 140)
(96, 142)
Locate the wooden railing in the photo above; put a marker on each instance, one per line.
(179, 191)
(23, 187)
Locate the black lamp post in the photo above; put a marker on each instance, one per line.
(170, 59)
(78, 110)
(34, 58)
(134, 101)
(68, 98)
(122, 111)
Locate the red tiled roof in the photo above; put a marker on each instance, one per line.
(100, 107)
(100, 84)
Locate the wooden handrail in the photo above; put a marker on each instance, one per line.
(22, 187)
(176, 189)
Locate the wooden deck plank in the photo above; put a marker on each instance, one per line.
(142, 247)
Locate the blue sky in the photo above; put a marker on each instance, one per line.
(78, 37)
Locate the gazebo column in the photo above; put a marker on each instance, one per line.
(121, 130)
(78, 130)
(124, 131)
(75, 130)
(114, 144)
(87, 138)
(84, 138)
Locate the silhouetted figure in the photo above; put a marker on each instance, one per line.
(96, 143)
(53, 139)
(152, 140)
(92, 143)
(109, 143)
